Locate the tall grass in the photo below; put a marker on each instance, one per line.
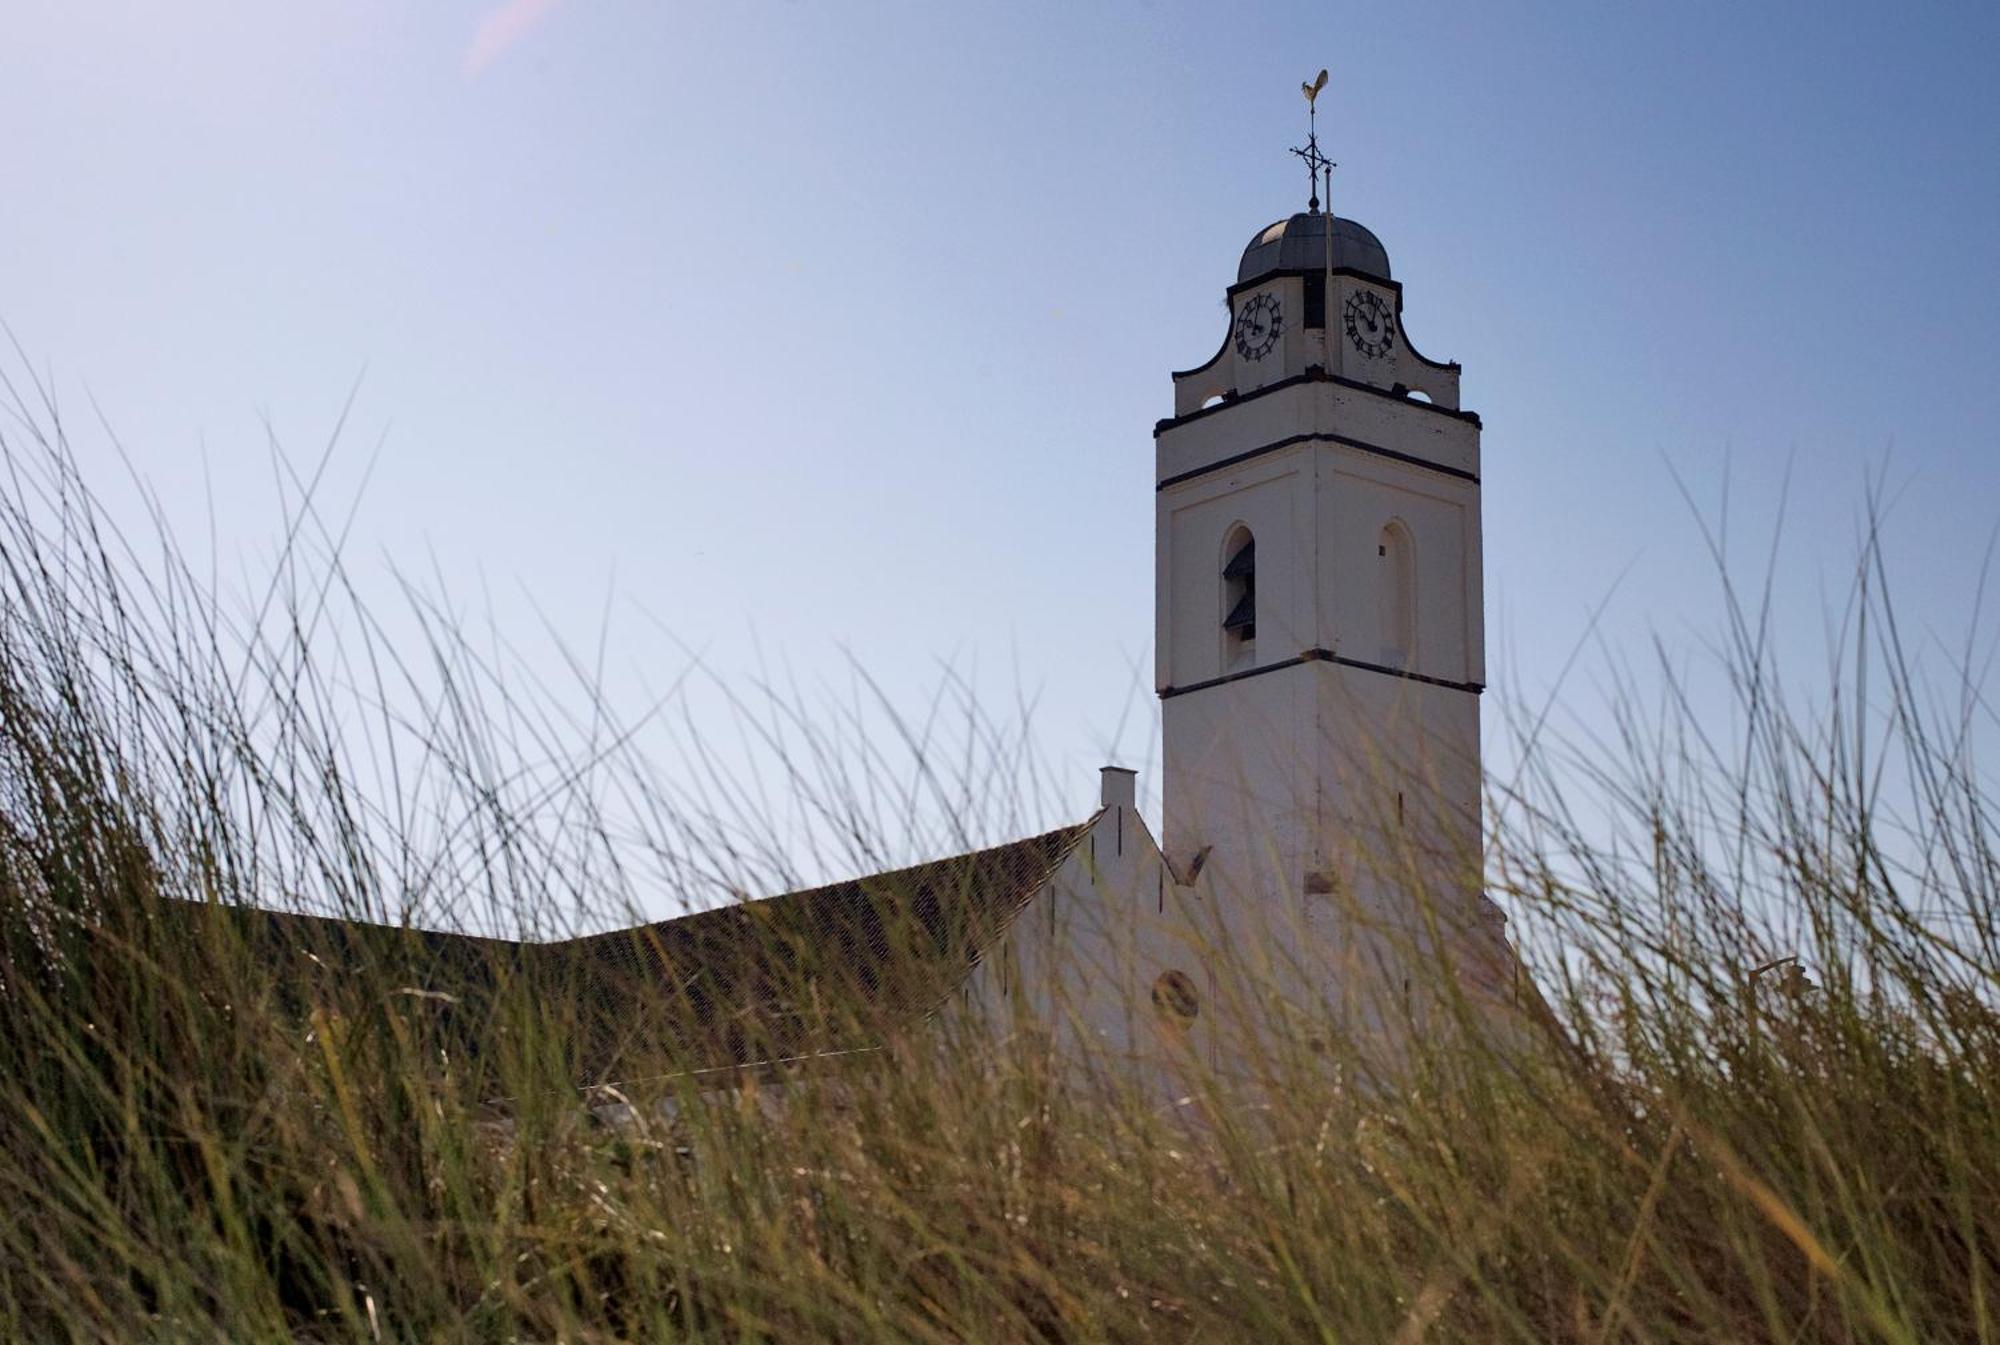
(1764, 1108)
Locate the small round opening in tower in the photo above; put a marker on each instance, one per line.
(1175, 998)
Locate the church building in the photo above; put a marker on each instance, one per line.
(1319, 656)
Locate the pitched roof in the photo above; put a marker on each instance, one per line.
(823, 969)
(826, 968)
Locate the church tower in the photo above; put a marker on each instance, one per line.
(1319, 640)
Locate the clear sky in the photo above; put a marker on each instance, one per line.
(781, 332)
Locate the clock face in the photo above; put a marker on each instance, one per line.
(1370, 324)
(1258, 326)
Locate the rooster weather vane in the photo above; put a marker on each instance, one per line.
(1317, 164)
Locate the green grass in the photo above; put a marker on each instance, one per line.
(200, 1140)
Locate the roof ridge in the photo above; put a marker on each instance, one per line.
(1071, 835)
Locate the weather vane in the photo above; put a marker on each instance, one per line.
(1316, 162)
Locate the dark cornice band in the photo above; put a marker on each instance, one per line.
(1323, 656)
(1342, 439)
(1313, 374)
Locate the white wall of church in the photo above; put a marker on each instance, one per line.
(1239, 763)
(1318, 408)
(1369, 506)
(1272, 498)
(1268, 976)
(1081, 962)
(1321, 769)
(1399, 771)
(1326, 573)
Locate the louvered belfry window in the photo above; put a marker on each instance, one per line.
(1239, 589)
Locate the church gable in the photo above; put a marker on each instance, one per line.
(1112, 954)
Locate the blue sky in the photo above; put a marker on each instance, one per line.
(785, 333)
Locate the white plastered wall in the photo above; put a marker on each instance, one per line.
(1081, 961)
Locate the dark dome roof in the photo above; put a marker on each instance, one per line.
(1299, 244)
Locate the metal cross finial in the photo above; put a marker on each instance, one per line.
(1316, 162)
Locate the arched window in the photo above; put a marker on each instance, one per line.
(1239, 589)
(1396, 589)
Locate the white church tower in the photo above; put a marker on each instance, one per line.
(1319, 644)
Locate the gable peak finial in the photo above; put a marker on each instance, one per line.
(1317, 164)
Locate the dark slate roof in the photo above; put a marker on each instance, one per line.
(825, 969)
(1299, 244)
(292, 945)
